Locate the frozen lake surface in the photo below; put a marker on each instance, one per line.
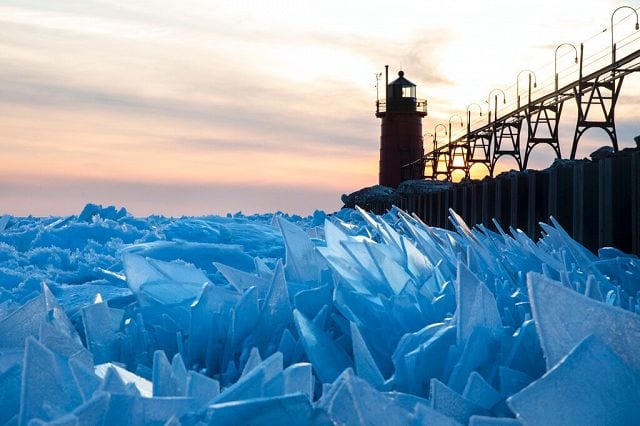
(349, 318)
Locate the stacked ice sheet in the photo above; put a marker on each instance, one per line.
(352, 319)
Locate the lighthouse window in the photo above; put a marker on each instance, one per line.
(408, 92)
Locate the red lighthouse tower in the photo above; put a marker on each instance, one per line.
(401, 134)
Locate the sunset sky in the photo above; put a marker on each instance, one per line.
(194, 107)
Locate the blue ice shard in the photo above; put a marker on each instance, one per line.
(394, 274)
(4, 221)
(164, 383)
(208, 326)
(63, 344)
(311, 301)
(252, 384)
(427, 415)
(275, 315)
(179, 374)
(85, 379)
(289, 347)
(351, 261)
(162, 282)
(295, 379)
(93, 411)
(244, 316)
(143, 386)
(476, 305)
(201, 388)
(421, 409)
(26, 320)
(252, 362)
(114, 384)
(451, 403)
(525, 353)
(303, 264)
(493, 421)
(416, 368)
(280, 410)
(350, 400)
(591, 385)
(138, 271)
(592, 289)
(201, 255)
(417, 263)
(481, 393)
(242, 280)
(365, 365)
(48, 389)
(10, 384)
(477, 355)
(511, 381)
(298, 378)
(564, 317)
(328, 359)
(121, 409)
(100, 336)
(160, 410)
(360, 253)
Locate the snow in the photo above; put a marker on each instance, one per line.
(348, 318)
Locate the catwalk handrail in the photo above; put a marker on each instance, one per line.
(562, 94)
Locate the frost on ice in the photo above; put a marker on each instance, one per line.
(110, 319)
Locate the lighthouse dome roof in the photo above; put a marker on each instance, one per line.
(401, 81)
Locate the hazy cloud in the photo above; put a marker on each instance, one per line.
(89, 86)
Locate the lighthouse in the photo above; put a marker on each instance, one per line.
(401, 131)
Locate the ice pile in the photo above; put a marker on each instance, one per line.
(348, 319)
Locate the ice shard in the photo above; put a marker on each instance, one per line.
(328, 359)
(303, 264)
(47, 387)
(144, 387)
(353, 401)
(286, 409)
(311, 301)
(163, 282)
(93, 411)
(477, 355)
(99, 332)
(201, 388)
(27, 320)
(591, 385)
(451, 403)
(476, 305)
(275, 315)
(416, 368)
(242, 280)
(164, 382)
(564, 317)
(365, 365)
(481, 393)
(10, 386)
(85, 378)
(63, 344)
(492, 421)
(252, 384)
